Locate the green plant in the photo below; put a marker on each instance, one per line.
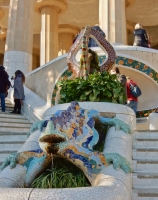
(98, 87)
(64, 175)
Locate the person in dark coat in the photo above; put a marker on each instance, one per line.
(4, 86)
(19, 81)
(92, 42)
(141, 37)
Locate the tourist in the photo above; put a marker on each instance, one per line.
(121, 78)
(4, 86)
(132, 101)
(92, 42)
(19, 80)
(141, 37)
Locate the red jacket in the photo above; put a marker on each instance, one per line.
(130, 97)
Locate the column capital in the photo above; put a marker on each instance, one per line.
(67, 28)
(61, 4)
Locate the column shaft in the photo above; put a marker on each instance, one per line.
(65, 42)
(49, 34)
(67, 33)
(19, 41)
(112, 19)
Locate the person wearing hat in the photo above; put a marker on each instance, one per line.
(141, 38)
(121, 78)
(4, 86)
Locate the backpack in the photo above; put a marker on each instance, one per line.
(135, 90)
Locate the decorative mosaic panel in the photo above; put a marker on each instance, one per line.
(125, 62)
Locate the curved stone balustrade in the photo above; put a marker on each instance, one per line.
(42, 80)
(153, 121)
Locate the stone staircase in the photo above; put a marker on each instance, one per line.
(145, 162)
(13, 131)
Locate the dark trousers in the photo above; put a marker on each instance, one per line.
(2, 97)
(17, 105)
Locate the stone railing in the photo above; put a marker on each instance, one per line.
(140, 64)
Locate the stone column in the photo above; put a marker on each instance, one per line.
(19, 41)
(49, 10)
(66, 35)
(3, 32)
(112, 19)
(35, 58)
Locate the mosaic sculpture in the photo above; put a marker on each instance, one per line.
(82, 42)
(70, 134)
(89, 59)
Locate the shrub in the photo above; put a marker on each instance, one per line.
(98, 87)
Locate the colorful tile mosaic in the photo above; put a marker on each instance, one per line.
(83, 68)
(71, 134)
(125, 62)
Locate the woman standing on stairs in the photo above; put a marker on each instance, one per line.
(19, 80)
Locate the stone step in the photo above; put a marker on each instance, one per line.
(142, 127)
(146, 160)
(145, 194)
(144, 154)
(145, 148)
(145, 165)
(15, 146)
(142, 120)
(152, 197)
(14, 129)
(10, 115)
(146, 173)
(145, 143)
(16, 125)
(8, 105)
(142, 182)
(7, 101)
(145, 134)
(22, 136)
(12, 133)
(15, 120)
(13, 136)
(7, 109)
(142, 123)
